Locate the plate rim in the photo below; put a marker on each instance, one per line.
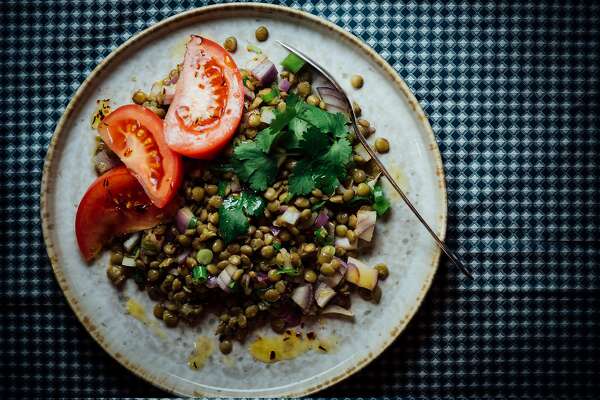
(181, 18)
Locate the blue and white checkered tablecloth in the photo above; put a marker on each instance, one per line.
(512, 91)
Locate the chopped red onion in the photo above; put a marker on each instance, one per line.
(183, 218)
(332, 99)
(302, 296)
(275, 230)
(344, 243)
(263, 69)
(284, 85)
(181, 258)
(334, 280)
(235, 186)
(103, 161)
(337, 311)
(261, 277)
(323, 294)
(169, 93)
(212, 282)
(365, 224)
(322, 219)
(267, 115)
(131, 241)
(290, 215)
(249, 94)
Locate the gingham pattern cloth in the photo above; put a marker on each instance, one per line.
(511, 90)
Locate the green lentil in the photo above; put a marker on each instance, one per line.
(273, 275)
(303, 89)
(226, 346)
(327, 269)
(139, 97)
(272, 295)
(184, 240)
(382, 271)
(251, 311)
(359, 176)
(267, 251)
(170, 319)
(363, 189)
(310, 276)
(262, 33)
(116, 258)
(341, 230)
(230, 44)
(198, 193)
(312, 100)
(382, 145)
(357, 81)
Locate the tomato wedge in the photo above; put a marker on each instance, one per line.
(115, 204)
(208, 102)
(136, 135)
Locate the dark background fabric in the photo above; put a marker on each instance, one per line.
(511, 90)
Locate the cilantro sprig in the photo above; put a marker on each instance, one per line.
(318, 138)
(234, 213)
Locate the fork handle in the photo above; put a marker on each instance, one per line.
(406, 200)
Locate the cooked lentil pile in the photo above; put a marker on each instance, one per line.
(271, 230)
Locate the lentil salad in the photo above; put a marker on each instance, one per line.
(271, 229)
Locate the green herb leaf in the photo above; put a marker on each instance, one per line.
(290, 271)
(322, 172)
(296, 129)
(277, 246)
(234, 212)
(273, 132)
(322, 236)
(222, 188)
(324, 120)
(253, 204)
(381, 203)
(313, 142)
(318, 206)
(232, 220)
(252, 165)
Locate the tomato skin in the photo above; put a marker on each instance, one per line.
(136, 135)
(208, 103)
(115, 204)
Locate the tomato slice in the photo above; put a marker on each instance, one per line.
(208, 102)
(115, 204)
(136, 135)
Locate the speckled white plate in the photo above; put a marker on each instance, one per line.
(159, 355)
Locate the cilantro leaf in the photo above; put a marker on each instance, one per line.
(222, 188)
(381, 203)
(253, 204)
(252, 165)
(301, 181)
(338, 125)
(232, 220)
(323, 171)
(324, 120)
(234, 212)
(273, 132)
(296, 129)
(291, 271)
(313, 142)
(338, 156)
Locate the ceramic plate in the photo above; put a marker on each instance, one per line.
(160, 355)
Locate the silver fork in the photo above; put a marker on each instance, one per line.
(371, 152)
